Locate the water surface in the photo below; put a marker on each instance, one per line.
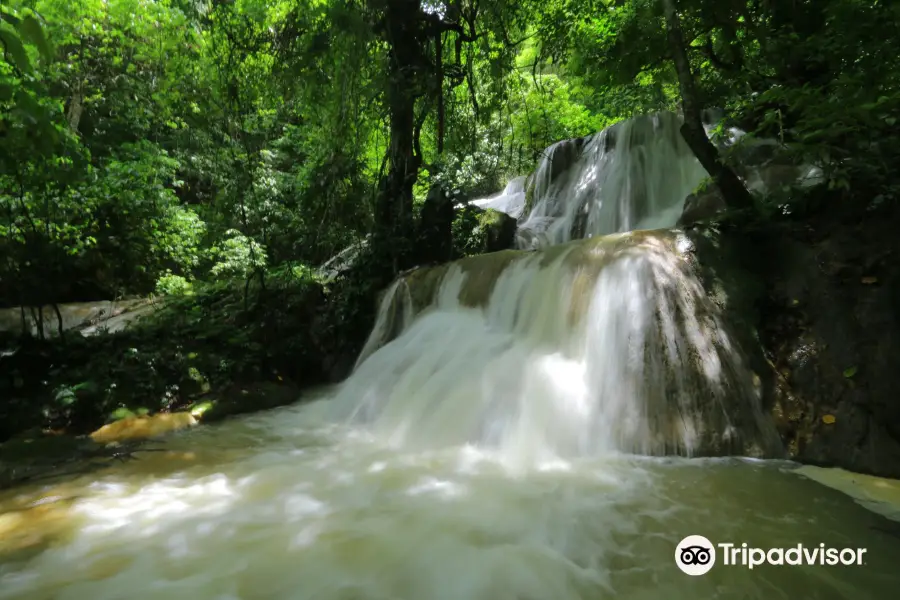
(282, 505)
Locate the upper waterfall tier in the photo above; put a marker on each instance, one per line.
(632, 175)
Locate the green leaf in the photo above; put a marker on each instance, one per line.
(8, 17)
(33, 31)
(120, 413)
(849, 373)
(28, 106)
(15, 50)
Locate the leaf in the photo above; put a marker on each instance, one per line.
(8, 17)
(15, 49)
(849, 373)
(120, 413)
(28, 106)
(828, 419)
(869, 280)
(33, 31)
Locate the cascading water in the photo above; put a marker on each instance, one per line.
(632, 175)
(504, 436)
(603, 345)
(510, 201)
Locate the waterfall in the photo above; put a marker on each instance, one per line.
(602, 341)
(632, 175)
(510, 201)
(597, 346)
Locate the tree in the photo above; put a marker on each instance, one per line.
(732, 188)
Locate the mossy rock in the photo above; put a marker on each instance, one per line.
(479, 231)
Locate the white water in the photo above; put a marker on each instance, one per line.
(279, 506)
(611, 346)
(484, 453)
(510, 201)
(633, 175)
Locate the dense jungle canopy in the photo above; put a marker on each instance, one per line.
(224, 149)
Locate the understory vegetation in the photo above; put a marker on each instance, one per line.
(213, 154)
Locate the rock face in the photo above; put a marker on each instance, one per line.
(818, 302)
(831, 324)
(701, 206)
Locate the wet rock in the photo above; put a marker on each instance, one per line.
(818, 301)
(878, 494)
(28, 531)
(499, 230)
(40, 455)
(140, 428)
(701, 206)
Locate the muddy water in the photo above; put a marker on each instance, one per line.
(284, 505)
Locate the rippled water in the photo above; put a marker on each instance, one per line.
(280, 505)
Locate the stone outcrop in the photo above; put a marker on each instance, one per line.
(701, 206)
(480, 231)
(817, 302)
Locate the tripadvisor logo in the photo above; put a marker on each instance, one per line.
(696, 555)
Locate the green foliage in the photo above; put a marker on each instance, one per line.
(216, 153)
(477, 231)
(173, 285)
(189, 347)
(237, 256)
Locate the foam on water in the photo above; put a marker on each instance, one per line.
(321, 512)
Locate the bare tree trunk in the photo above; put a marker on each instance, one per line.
(59, 322)
(40, 320)
(732, 188)
(25, 328)
(76, 107)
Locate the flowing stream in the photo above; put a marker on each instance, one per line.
(521, 426)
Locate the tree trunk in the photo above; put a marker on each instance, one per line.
(394, 226)
(732, 188)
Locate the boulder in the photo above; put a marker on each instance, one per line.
(701, 206)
